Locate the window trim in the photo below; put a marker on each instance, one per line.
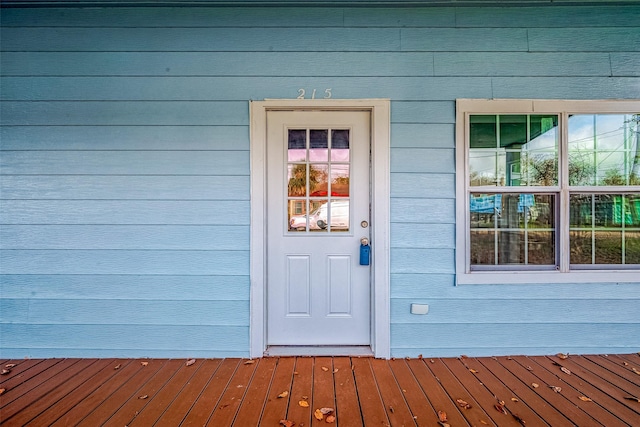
(464, 275)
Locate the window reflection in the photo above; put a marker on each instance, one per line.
(512, 228)
(604, 228)
(318, 171)
(513, 150)
(603, 149)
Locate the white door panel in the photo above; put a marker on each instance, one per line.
(317, 199)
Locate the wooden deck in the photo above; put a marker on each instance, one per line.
(493, 391)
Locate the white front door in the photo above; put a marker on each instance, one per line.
(318, 210)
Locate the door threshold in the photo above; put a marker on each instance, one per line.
(318, 350)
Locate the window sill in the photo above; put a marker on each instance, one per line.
(551, 277)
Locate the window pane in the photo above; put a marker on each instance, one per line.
(318, 145)
(297, 145)
(523, 153)
(603, 149)
(318, 180)
(604, 228)
(297, 180)
(339, 180)
(297, 215)
(513, 229)
(340, 145)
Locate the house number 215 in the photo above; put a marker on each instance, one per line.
(302, 93)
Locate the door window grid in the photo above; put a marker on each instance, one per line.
(318, 171)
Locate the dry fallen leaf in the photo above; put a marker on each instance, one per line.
(473, 371)
(585, 399)
(535, 385)
(190, 362)
(287, 423)
(463, 404)
(330, 419)
(625, 363)
(335, 370)
(513, 399)
(143, 396)
(484, 422)
(326, 411)
(637, 399)
(2, 390)
(562, 356)
(500, 408)
(635, 370)
(443, 424)
(529, 368)
(324, 368)
(249, 362)
(442, 416)
(283, 394)
(115, 368)
(5, 371)
(144, 363)
(303, 403)
(555, 388)
(565, 370)
(318, 414)
(10, 365)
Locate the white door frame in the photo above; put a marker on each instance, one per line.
(380, 192)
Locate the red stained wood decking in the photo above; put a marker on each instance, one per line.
(595, 390)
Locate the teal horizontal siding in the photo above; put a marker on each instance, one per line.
(439, 260)
(256, 64)
(127, 237)
(584, 39)
(549, 17)
(95, 162)
(522, 64)
(464, 39)
(210, 89)
(422, 236)
(130, 187)
(516, 311)
(77, 261)
(568, 336)
(441, 286)
(110, 212)
(139, 340)
(427, 160)
(422, 185)
(288, 39)
(73, 113)
(420, 135)
(173, 17)
(153, 287)
(124, 138)
(125, 177)
(625, 64)
(433, 211)
(125, 312)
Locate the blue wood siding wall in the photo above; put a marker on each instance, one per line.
(125, 167)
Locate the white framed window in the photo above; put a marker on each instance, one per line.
(547, 191)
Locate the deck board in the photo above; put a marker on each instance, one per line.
(363, 391)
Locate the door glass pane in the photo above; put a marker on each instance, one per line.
(297, 145)
(297, 179)
(339, 180)
(318, 145)
(318, 171)
(340, 145)
(318, 180)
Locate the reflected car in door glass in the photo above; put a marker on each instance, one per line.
(339, 214)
